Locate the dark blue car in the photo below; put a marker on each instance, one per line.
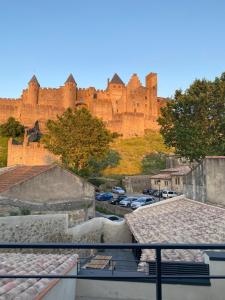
(104, 196)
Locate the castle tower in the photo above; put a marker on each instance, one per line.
(134, 82)
(117, 90)
(33, 91)
(116, 82)
(70, 92)
(151, 85)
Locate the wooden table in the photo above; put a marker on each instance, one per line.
(98, 262)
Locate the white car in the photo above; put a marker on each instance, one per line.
(142, 201)
(118, 190)
(169, 194)
(127, 201)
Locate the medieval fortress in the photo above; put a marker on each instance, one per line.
(127, 109)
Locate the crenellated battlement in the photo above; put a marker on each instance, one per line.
(125, 108)
(10, 99)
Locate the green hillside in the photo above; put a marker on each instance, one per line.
(133, 150)
(3, 151)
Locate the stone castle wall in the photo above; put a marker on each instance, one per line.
(29, 154)
(127, 109)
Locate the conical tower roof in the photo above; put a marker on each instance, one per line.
(70, 79)
(116, 79)
(34, 80)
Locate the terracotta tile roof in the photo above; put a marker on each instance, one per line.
(177, 220)
(31, 264)
(15, 175)
(181, 170)
(161, 176)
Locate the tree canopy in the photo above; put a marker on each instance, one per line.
(77, 138)
(194, 122)
(153, 163)
(12, 128)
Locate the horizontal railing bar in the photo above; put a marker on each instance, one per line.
(112, 246)
(93, 258)
(110, 276)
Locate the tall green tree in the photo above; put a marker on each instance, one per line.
(77, 137)
(12, 128)
(153, 163)
(194, 122)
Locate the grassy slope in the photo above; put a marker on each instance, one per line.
(133, 150)
(3, 151)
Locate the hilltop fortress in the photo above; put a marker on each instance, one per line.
(127, 109)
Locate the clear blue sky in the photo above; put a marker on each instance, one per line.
(179, 39)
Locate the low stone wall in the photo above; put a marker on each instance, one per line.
(32, 229)
(100, 230)
(136, 183)
(114, 209)
(78, 211)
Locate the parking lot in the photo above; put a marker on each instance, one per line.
(118, 196)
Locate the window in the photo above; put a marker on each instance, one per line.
(95, 96)
(156, 181)
(145, 97)
(166, 183)
(177, 180)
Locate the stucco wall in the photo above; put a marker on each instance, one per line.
(206, 182)
(215, 180)
(32, 229)
(98, 229)
(56, 184)
(195, 183)
(64, 289)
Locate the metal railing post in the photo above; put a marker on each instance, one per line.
(158, 275)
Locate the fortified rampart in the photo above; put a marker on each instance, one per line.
(127, 109)
(28, 154)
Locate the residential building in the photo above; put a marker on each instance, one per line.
(48, 188)
(170, 179)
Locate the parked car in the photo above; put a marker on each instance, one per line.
(118, 190)
(142, 201)
(152, 192)
(104, 196)
(158, 194)
(113, 218)
(116, 201)
(146, 191)
(127, 201)
(168, 194)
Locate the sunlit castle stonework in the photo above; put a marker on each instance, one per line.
(127, 109)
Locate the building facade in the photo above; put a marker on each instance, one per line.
(46, 189)
(170, 179)
(206, 181)
(127, 109)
